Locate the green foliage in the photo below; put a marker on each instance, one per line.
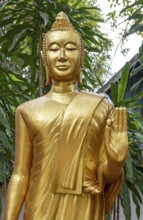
(125, 201)
(134, 164)
(132, 13)
(0, 206)
(108, 217)
(118, 90)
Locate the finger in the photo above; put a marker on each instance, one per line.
(120, 125)
(124, 119)
(116, 118)
(107, 137)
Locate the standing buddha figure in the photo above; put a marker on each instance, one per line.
(70, 145)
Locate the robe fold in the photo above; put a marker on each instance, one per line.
(65, 183)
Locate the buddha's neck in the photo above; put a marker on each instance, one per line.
(63, 87)
(63, 92)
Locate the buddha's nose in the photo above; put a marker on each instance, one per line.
(62, 55)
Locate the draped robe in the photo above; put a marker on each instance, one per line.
(67, 149)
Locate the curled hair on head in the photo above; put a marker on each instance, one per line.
(62, 23)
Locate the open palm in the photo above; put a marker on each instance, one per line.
(116, 141)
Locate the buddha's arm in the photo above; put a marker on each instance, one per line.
(20, 178)
(116, 145)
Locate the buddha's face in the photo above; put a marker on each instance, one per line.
(63, 55)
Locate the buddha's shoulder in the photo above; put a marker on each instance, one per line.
(91, 96)
(32, 105)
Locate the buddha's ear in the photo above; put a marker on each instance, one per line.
(43, 58)
(79, 78)
(48, 78)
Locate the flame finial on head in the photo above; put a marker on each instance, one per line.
(62, 23)
(62, 15)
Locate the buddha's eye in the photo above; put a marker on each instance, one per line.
(70, 47)
(54, 47)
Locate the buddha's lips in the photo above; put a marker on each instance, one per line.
(62, 67)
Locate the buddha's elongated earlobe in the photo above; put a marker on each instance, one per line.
(48, 78)
(41, 53)
(79, 78)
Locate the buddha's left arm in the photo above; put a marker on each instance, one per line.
(115, 145)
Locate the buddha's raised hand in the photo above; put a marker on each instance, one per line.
(116, 141)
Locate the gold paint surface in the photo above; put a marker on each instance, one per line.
(70, 145)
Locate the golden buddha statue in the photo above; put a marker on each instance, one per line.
(70, 146)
